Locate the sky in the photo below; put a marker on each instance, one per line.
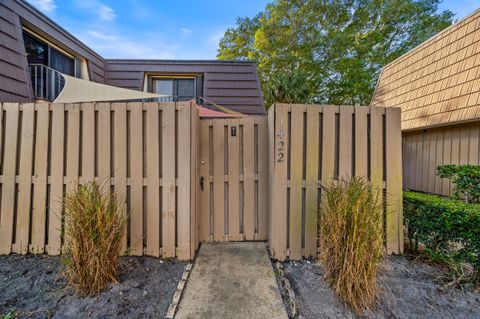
(165, 29)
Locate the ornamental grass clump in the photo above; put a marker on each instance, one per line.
(94, 228)
(352, 240)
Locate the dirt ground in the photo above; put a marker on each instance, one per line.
(32, 287)
(409, 289)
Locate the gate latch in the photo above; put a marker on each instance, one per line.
(202, 179)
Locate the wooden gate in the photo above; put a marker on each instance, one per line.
(233, 178)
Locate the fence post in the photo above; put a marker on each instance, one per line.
(279, 163)
(394, 212)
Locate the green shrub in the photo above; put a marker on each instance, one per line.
(351, 240)
(448, 229)
(466, 179)
(94, 228)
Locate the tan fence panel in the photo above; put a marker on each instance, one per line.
(233, 202)
(335, 141)
(142, 151)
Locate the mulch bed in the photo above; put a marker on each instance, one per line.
(409, 289)
(31, 287)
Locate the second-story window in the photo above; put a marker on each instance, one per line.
(39, 52)
(181, 89)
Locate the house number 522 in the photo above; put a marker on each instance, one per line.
(281, 147)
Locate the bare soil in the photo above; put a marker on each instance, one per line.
(408, 289)
(31, 286)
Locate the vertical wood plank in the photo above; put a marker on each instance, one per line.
(153, 177)
(168, 180)
(328, 144)
(73, 146)
(218, 180)
(40, 172)
(233, 182)
(328, 148)
(279, 204)
(425, 161)
(418, 162)
(447, 149)
(376, 148)
(473, 145)
(394, 213)
(25, 179)
(184, 164)
(311, 179)
(120, 160)
(345, 143)
(405, 151)
(438, 160)
(464, 143)
(56, 173)
(262, 179)
(455, 154)
(104, 145)
(248, 178)
(414, 161)
(9, 170)
(271, 178)
(136, 179)
(361, 141)
(88, 141)
(73, 149)
(431, 160)
(205, 173)
(296, 179)
(194, 179)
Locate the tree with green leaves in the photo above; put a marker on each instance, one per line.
(332, 50)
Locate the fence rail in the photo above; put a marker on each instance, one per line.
(142, 150)
(311, 145)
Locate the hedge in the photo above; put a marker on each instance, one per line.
(466, 179)
(449, 229)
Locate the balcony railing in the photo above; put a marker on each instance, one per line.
(47, 83)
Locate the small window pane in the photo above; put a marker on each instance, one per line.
(61, 62)
(164, 87)
(185, 89)
(37, 51)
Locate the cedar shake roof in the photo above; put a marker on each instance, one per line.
(438, 82)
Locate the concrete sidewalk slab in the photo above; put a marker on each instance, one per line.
(232, 280)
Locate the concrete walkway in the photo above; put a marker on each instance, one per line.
(232, 280)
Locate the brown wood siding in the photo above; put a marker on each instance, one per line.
(424, 150)
(14, 79)
(14, 84)
(234, 85)
(438, 82)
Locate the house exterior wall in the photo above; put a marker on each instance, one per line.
(231, 84)
(424, 150)
(438, 82)
(15, 83)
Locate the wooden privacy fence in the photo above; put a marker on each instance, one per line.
(146, 152)
(234, 171)
(311, 145)
(185, 180)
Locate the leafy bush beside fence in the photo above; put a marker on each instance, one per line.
(449, 229)
(466, 179)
